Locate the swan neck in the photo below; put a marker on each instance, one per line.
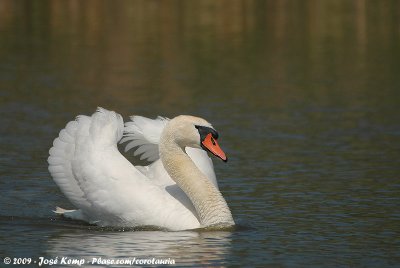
(209, 203)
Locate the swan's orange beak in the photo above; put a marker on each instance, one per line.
(212, 146)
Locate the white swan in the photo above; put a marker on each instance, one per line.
(178, 191)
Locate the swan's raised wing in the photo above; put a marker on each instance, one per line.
(144, 133)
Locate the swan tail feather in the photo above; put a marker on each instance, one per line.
(72, 214)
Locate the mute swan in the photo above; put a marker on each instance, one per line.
(177, 191)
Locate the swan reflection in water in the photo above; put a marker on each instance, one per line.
(184, 247)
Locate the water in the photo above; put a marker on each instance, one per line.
(305, 95)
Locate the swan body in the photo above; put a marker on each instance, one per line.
(177, 191)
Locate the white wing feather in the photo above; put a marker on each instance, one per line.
(144, 133)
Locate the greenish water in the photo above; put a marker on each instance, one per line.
(305, 95)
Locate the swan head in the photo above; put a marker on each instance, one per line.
(195, 132)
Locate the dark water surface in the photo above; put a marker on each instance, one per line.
(305, 95)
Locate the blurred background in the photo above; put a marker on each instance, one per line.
(305, 95)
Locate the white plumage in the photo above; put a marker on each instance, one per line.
(107, 189)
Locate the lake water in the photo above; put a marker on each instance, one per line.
(305, 95)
